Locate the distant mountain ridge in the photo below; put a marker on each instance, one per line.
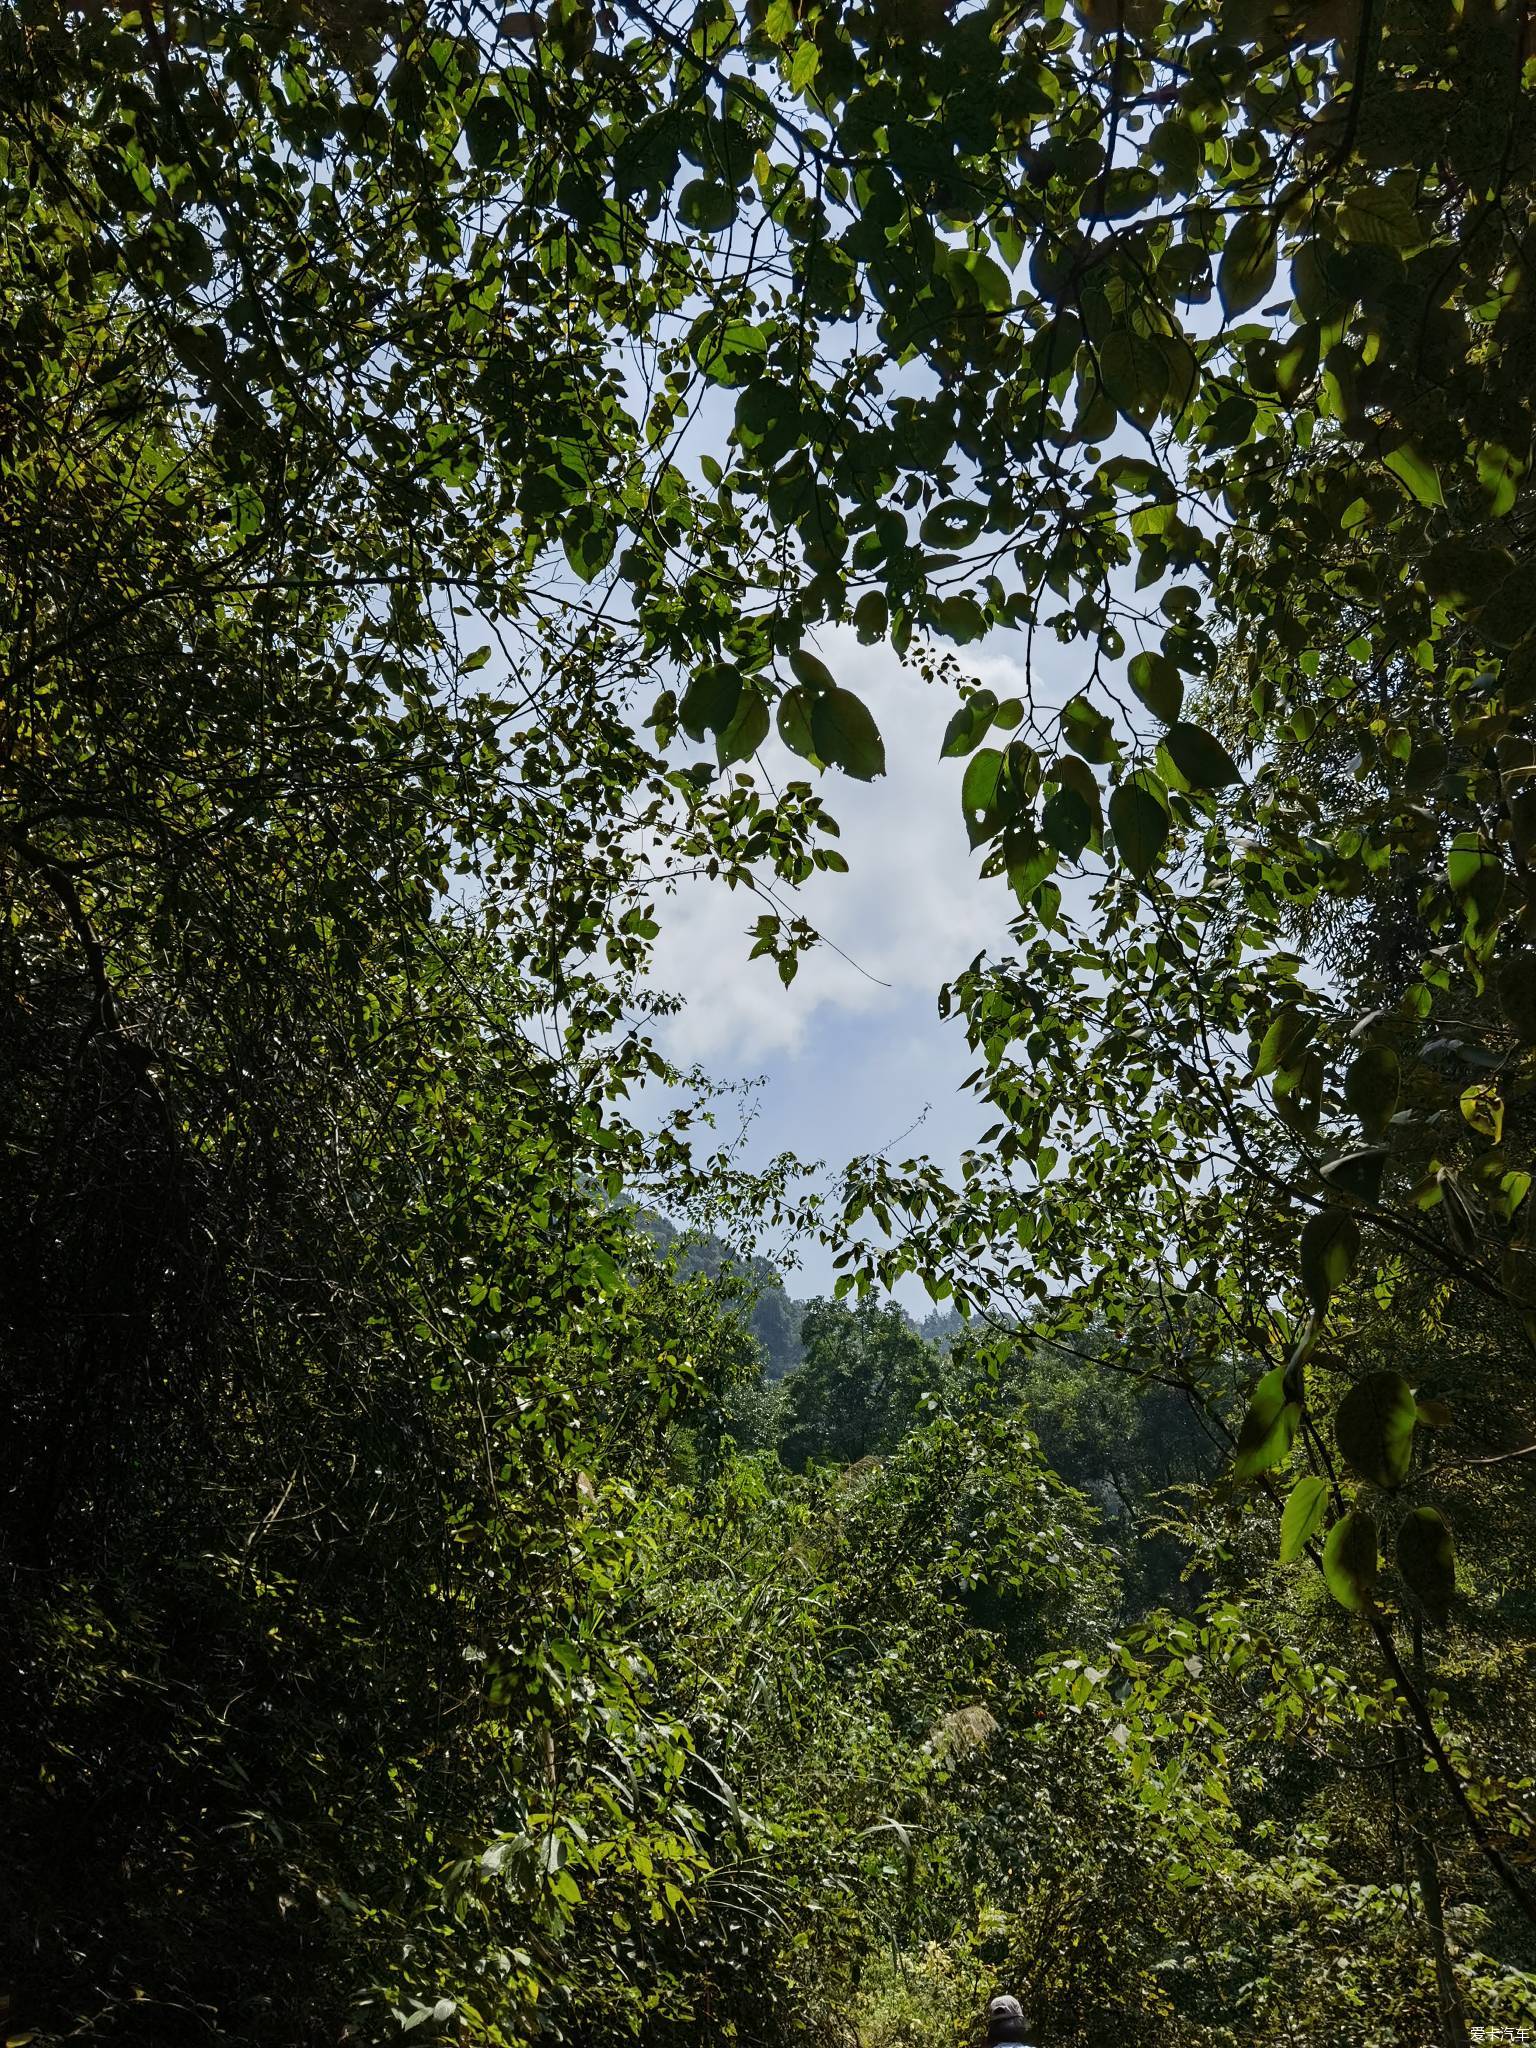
(776, 1315)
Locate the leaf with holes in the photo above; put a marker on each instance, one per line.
(1483, 1107)
(1134, 371)
(846, 734)
(954, 524)
(794, 721)
(1087, 731)
(983, 795)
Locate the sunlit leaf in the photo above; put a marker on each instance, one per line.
(1269, 1426)
(1305, 1508)
(1351, 1561)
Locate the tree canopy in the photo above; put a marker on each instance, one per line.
(439, 444)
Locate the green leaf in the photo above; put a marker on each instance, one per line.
(968, 728)
(1517, 995)
(981, 793)
(978, 272)
(1068, 822)
(1351, 1562)
(1183, 373)
(748, 728)
(1158, 684)
(1374, 1427)
(704, 205)
(812, 670)
(960, 618)
(872, 617)
(589, 547)
(733, 355)
(1269, 1427)
(1330, 1244)
(954, 524)
(1134, 371)
(1499, 474)
(1371, 1087)
(1139, 823)
(846, 734)
(1358, 1174)
(1476, 874)
(1087, 731)
(1319, 274)
(1463, 571)
(1297, 366)
(1290, 1032)
(492, 130)
(1508, 615)
(794, 721)
(1201, 759)
(1127, 190)
(1302, 1517)
(1179, 150)
(709, 702)
(1247, 268)
(1426, 1557)
(1381, 217)
(1413, 467)
(803, 69)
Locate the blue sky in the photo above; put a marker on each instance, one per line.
(851, 1059)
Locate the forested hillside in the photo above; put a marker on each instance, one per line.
(752, 1286)
(444, 448)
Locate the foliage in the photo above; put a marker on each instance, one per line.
(397, 403)
(769, 1311)
(859, 1386)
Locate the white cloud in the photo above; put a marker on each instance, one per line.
(910, 912)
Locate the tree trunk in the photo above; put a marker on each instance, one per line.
(1426, 1865)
